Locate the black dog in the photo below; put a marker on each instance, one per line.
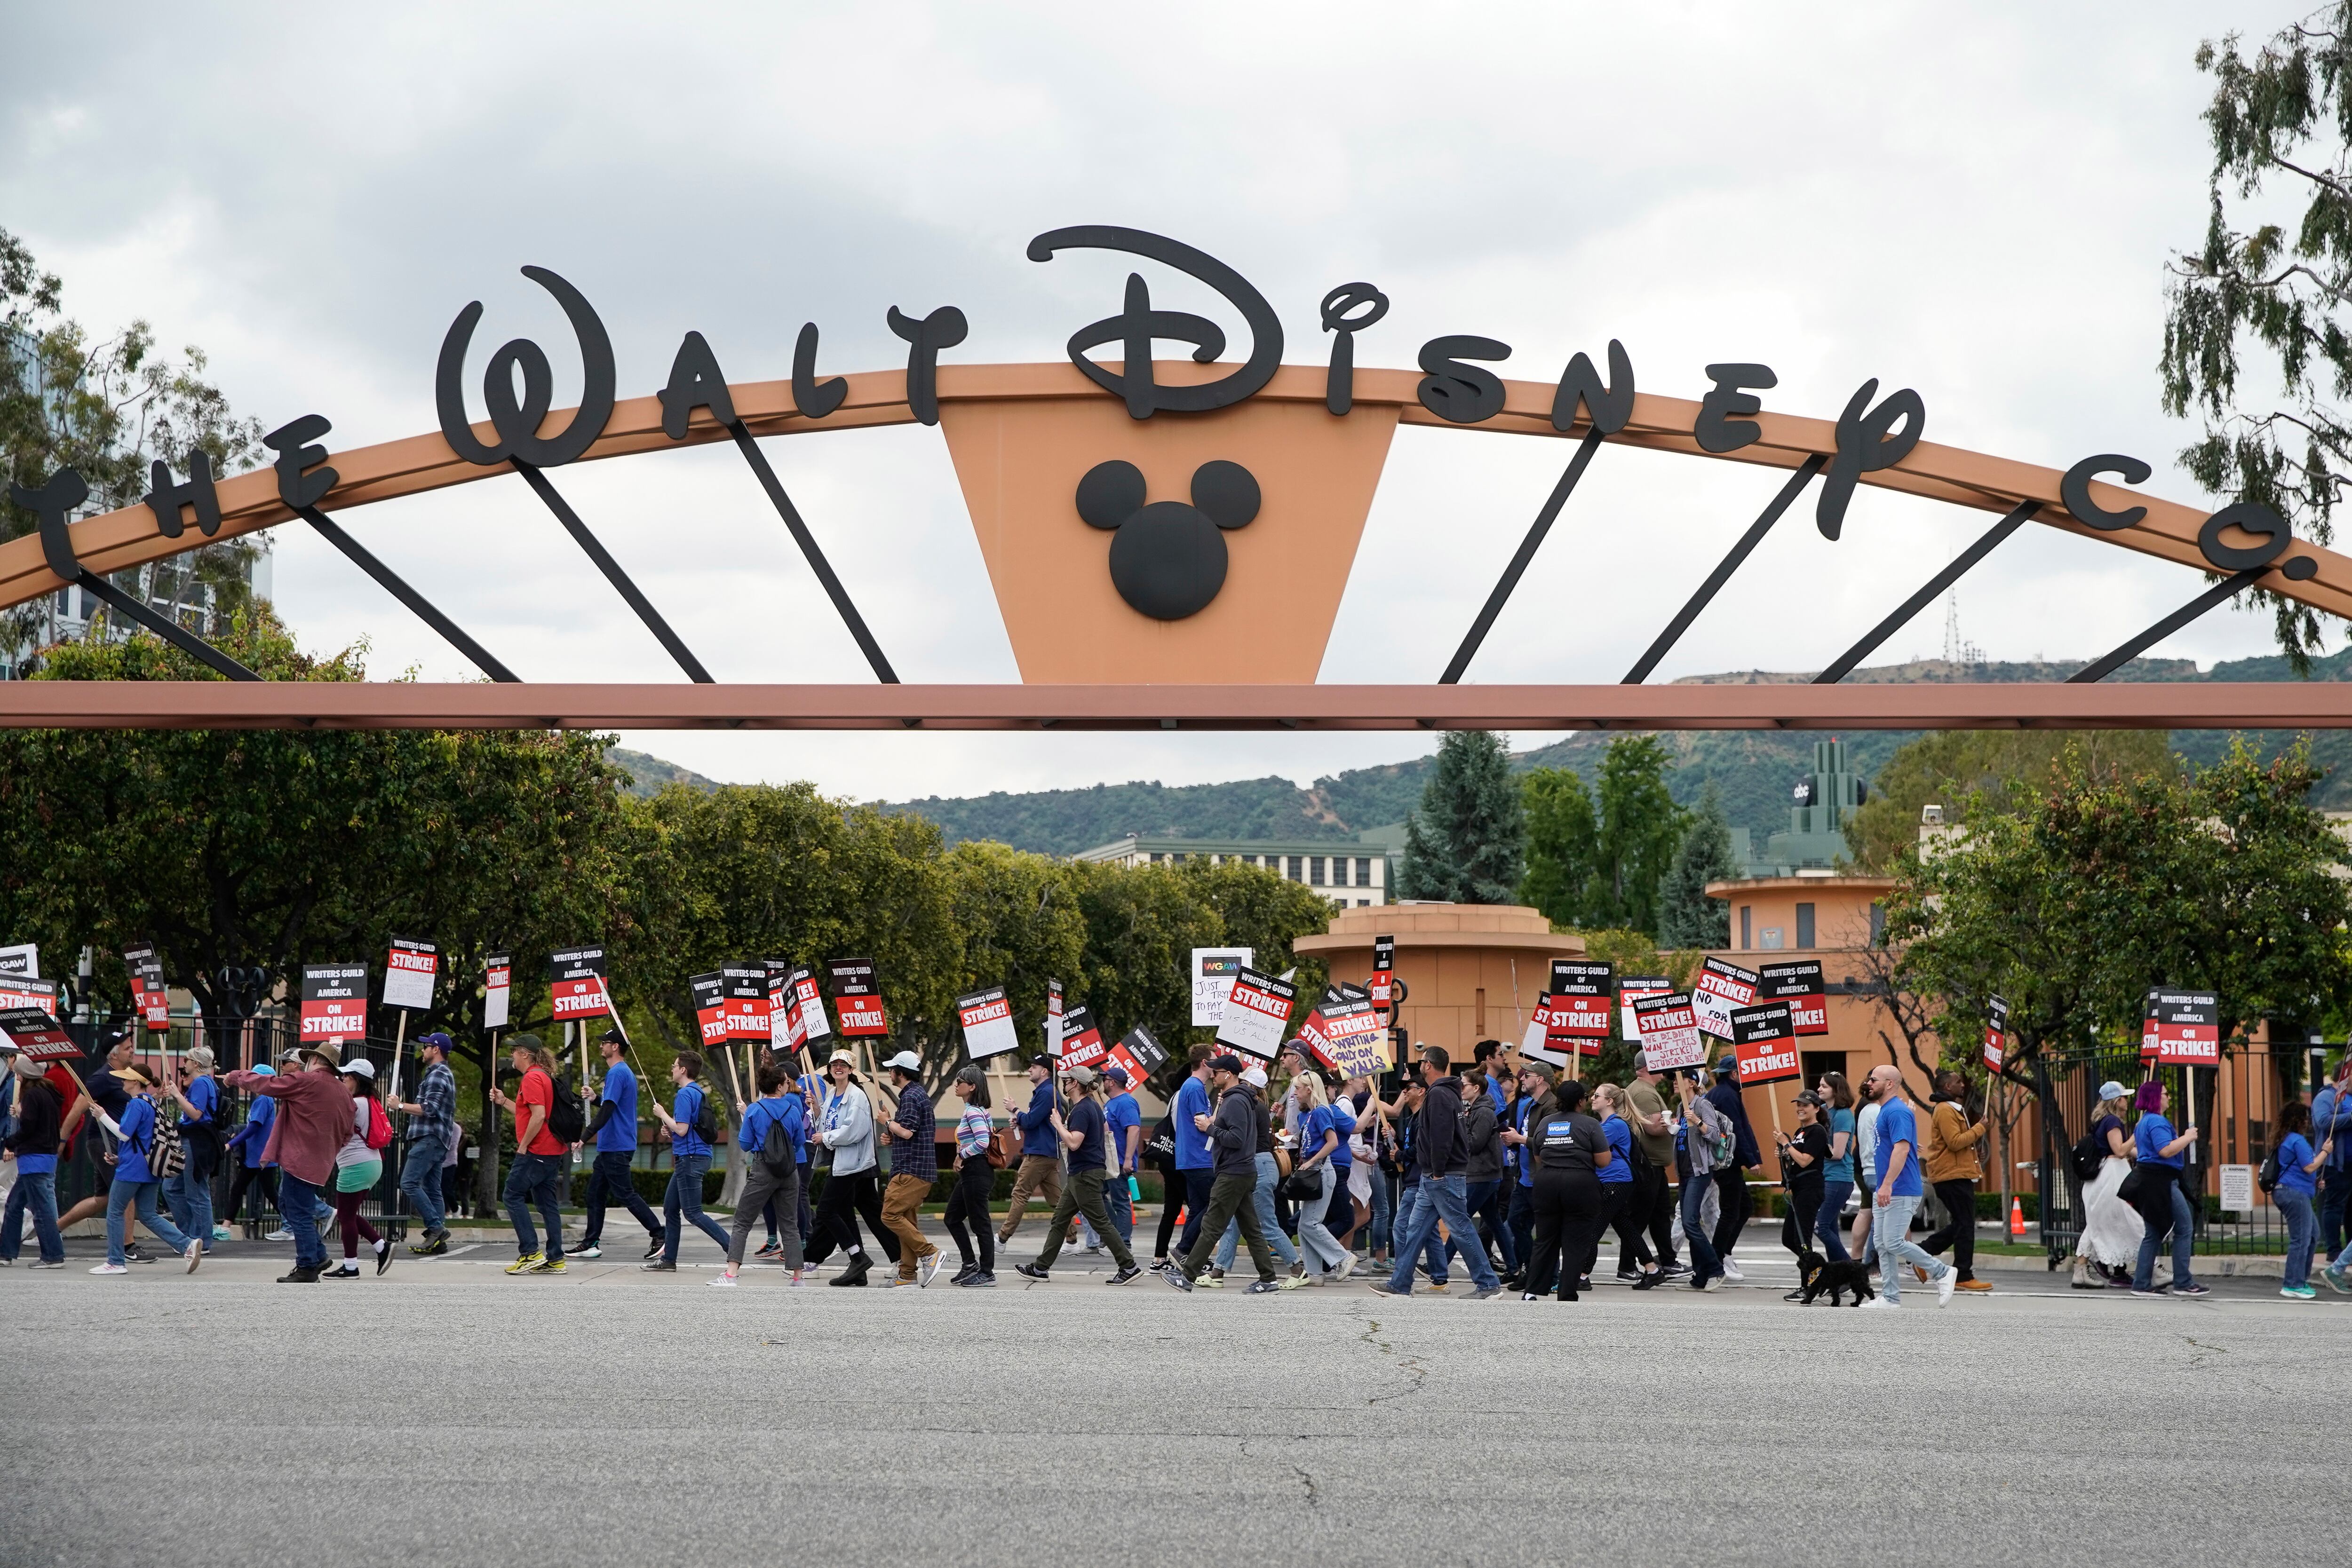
(1818, 1274)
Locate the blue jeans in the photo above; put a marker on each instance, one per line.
(1486, 1199)
(1121, 1204)
(1704, 1265)
(2183, 1228)
(1384, 1211)
(190, 1201)
(1522, 1224)
(683, 1197)
(2301, 1230)
(36, 1191)
(297, 1205)
(2335, 1190)
(1826, 1224)
(420, 1181)
(532, 1180)
(1447, 1199)
(1408, 1213)
(1890, 1232)
(1261, 1199)
(146, 1196)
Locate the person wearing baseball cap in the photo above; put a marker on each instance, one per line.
(1080, 1129)
(314, 1119)
(431, 1137)
(914, 1133)
(1267, 1174)
(1123, 1126)
(1234, 1133)
(1040, 1174)
(614, 1131)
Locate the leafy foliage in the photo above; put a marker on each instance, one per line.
(2005, 767)
(2281, 115)
(1561, 834)
(1688, 920)
(1467, 842)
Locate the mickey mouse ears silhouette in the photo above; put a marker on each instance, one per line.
(1167, 559)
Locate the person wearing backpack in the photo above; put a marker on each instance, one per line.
(136, 1184)
(1706, 1136)
(539, 1158)
(359, 1166)
(693, 1123)
(188, 1191)
(2109, 1242)
(770, 1137)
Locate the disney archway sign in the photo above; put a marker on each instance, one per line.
(1167, 541)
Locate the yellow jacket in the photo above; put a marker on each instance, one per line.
(1951, 1145)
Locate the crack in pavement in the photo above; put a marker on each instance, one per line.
(1314, 1494)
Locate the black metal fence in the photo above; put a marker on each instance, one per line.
(2237, 1104)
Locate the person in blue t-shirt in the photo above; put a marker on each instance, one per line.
(1322, 1153)
(1080, 1131)
(2298, 1164)
(244, 1153)
(1897, 1196)
(1620, 1183)
(689, 1159)
(1123, 1125)
(1196, 1162)
(134, 1186)
(614, 1131)
(188, 1191)
(1040, 1174)
(2158, 1153)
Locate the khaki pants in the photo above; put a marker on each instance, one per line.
(1084, 1196)
(902, 1207)
(1040, 1176)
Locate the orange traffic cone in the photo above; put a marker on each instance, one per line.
(2016, 1218)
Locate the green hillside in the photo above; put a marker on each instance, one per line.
(1754, 769)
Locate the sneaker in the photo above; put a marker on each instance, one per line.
(2292, 1292)
(927, 1269)
(1650, 1280)
(280, 1234)
(1030, 1271)
(1437, 1287)
(110, 1268)
(1530, 1296)
(1715, 1283)
(966, 1272)
(1881, 1304)
(590, 1251)
(1980, 1286)
(2150, 1294)
(1346, 1267)
(1176, 1278)
(300, 1276)
(194, 1255)
(1731, 1270)
(1673, 1269)
(348, 1271)
(901, 1282)
(726, 1282)
(220, 1232)
(798, 1278)
(433, 1246)
(654, 1247)
(774, 1248)
(525, 1263)
(659, 1266)
(550, 1265)
(382, 1253)
(1125, 1275)
(1946, 1283)
(2335, 1276)
(978, 1280)
(1262, 1287)
(59, 1263)
(2192, 1288)
(1796, 1295)
(1158, 1266)
(1382, 1288)
(1489, 1293)
(1629, 1275)
(138, 1254)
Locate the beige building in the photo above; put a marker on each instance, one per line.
(1354, 874)
(1472, 971)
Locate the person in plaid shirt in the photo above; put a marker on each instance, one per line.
(432, 1132)
(914, 1167)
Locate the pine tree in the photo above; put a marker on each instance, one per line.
(1687, 917)
(1466, 841)
(1561, 830)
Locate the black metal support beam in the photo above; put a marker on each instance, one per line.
(393, 583)
(1528, 548)
(2228, 588)
(613, 572)
(1722, 573)
(162, 625)
(817, 563)
(1845, 662)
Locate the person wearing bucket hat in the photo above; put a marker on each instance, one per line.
(913, 1131)
(314, 1119)
(1081, 1130)
(846, 1132)
(432, 1132)
(135, 1183)
(107, 1096)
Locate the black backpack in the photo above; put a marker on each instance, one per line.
(2087, 1155)
(565, 1120)
(706, 1120)
(776, 1151)
(2267, 1178)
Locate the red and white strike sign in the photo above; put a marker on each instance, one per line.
(1802, 986)
(498, 990)
(24, 991)
(37, 1035)
(986, 1017)
(1765, 1039)
(785, 1032)
(857, 996)
(1631, 988)
(709, 994)
(1256, 1011)
(334, 1001)
(2189, 1029)
(1996, 1041)
(1139, 1053)
(1667, 1026)
(148, 995)
(409, 973)
(1384, 970)
(746, 989)
(1722, 987)
(576, 977)
(808, 1002)
(1082, 1040)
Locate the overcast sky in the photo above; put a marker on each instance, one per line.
(1974, 201)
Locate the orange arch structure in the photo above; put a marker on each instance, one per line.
(1020, 435)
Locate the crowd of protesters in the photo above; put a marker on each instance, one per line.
(1510, 1172)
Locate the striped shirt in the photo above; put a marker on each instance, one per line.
(973, 1132)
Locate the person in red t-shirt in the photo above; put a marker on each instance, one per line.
(539, 1160)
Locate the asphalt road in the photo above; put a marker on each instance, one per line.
(445, 1413)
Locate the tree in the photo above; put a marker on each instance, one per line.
(1688, 918)
(1466, 841)
(2281, 116)
(2005, 767)
(1561, 830)
(109, 408)
(1639, 828)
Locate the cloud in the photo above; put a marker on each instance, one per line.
(1978, 208)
